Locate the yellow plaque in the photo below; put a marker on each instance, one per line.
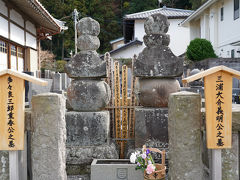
(12, 96)
(218, 95)
(12, 113)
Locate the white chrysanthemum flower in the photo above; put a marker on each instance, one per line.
(133, 158)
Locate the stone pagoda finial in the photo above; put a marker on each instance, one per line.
(156, 65)
(157, 60)
(87, 62)
(87, 91)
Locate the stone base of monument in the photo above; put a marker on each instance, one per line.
(79, 158)
(87, 128)
(152, 124)
(114, 169)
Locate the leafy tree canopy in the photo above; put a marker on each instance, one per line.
(109, 13)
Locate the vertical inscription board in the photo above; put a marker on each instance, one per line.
(124, 103)
(132, 103)
(218, 95)
(117, 100)
(12, 94)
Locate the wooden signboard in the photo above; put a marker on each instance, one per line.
(132, 103)
(12, 113)
(218, 103)
(12, 94)
(117, 100)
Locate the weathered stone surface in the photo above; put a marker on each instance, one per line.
(236, 117)
(198, 82)
(86, 64)
(28, 119)
(155, 92)
(230, 160)
(158, 62)
(185, 139)
(79, 177)
(88, 42)
(156, 24)
(88, 95)
(4, 165)
(151, 124)
(48, 137)
(156, 40)
(57, 82)
(87, 128)
(88, 26)
(64, 81)
(84, 155)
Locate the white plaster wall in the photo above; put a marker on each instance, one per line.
(195, 30)
(16, 34)
(3, 8)
(179, 37)
(229, 29)
(31, 27)
(33, 60)
(20, 64)
(214, 15)
(221, 33)
(16, 17)
(204, 22)
(31, 41)
(139, 31)
(14, 62)
(225, 51)
(3, 62)
(128, 52)
(4, 27)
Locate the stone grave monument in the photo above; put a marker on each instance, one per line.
(88, 95)
(156, 68)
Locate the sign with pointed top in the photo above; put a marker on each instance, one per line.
(218, 104)
(12, 92)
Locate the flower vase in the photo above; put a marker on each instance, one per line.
(159, 174)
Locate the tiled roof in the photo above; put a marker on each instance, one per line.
(37, 12)
(169, 12)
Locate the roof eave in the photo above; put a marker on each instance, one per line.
(134, 42)
(197, 12)
(46, 13)
(169, 17)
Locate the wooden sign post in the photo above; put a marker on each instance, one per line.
(218, 104)
(12, 94)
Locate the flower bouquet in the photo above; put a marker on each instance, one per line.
(146, 163)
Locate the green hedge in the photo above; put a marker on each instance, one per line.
(200, 49)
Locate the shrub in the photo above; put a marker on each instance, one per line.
(200, 49)
(60, 66)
